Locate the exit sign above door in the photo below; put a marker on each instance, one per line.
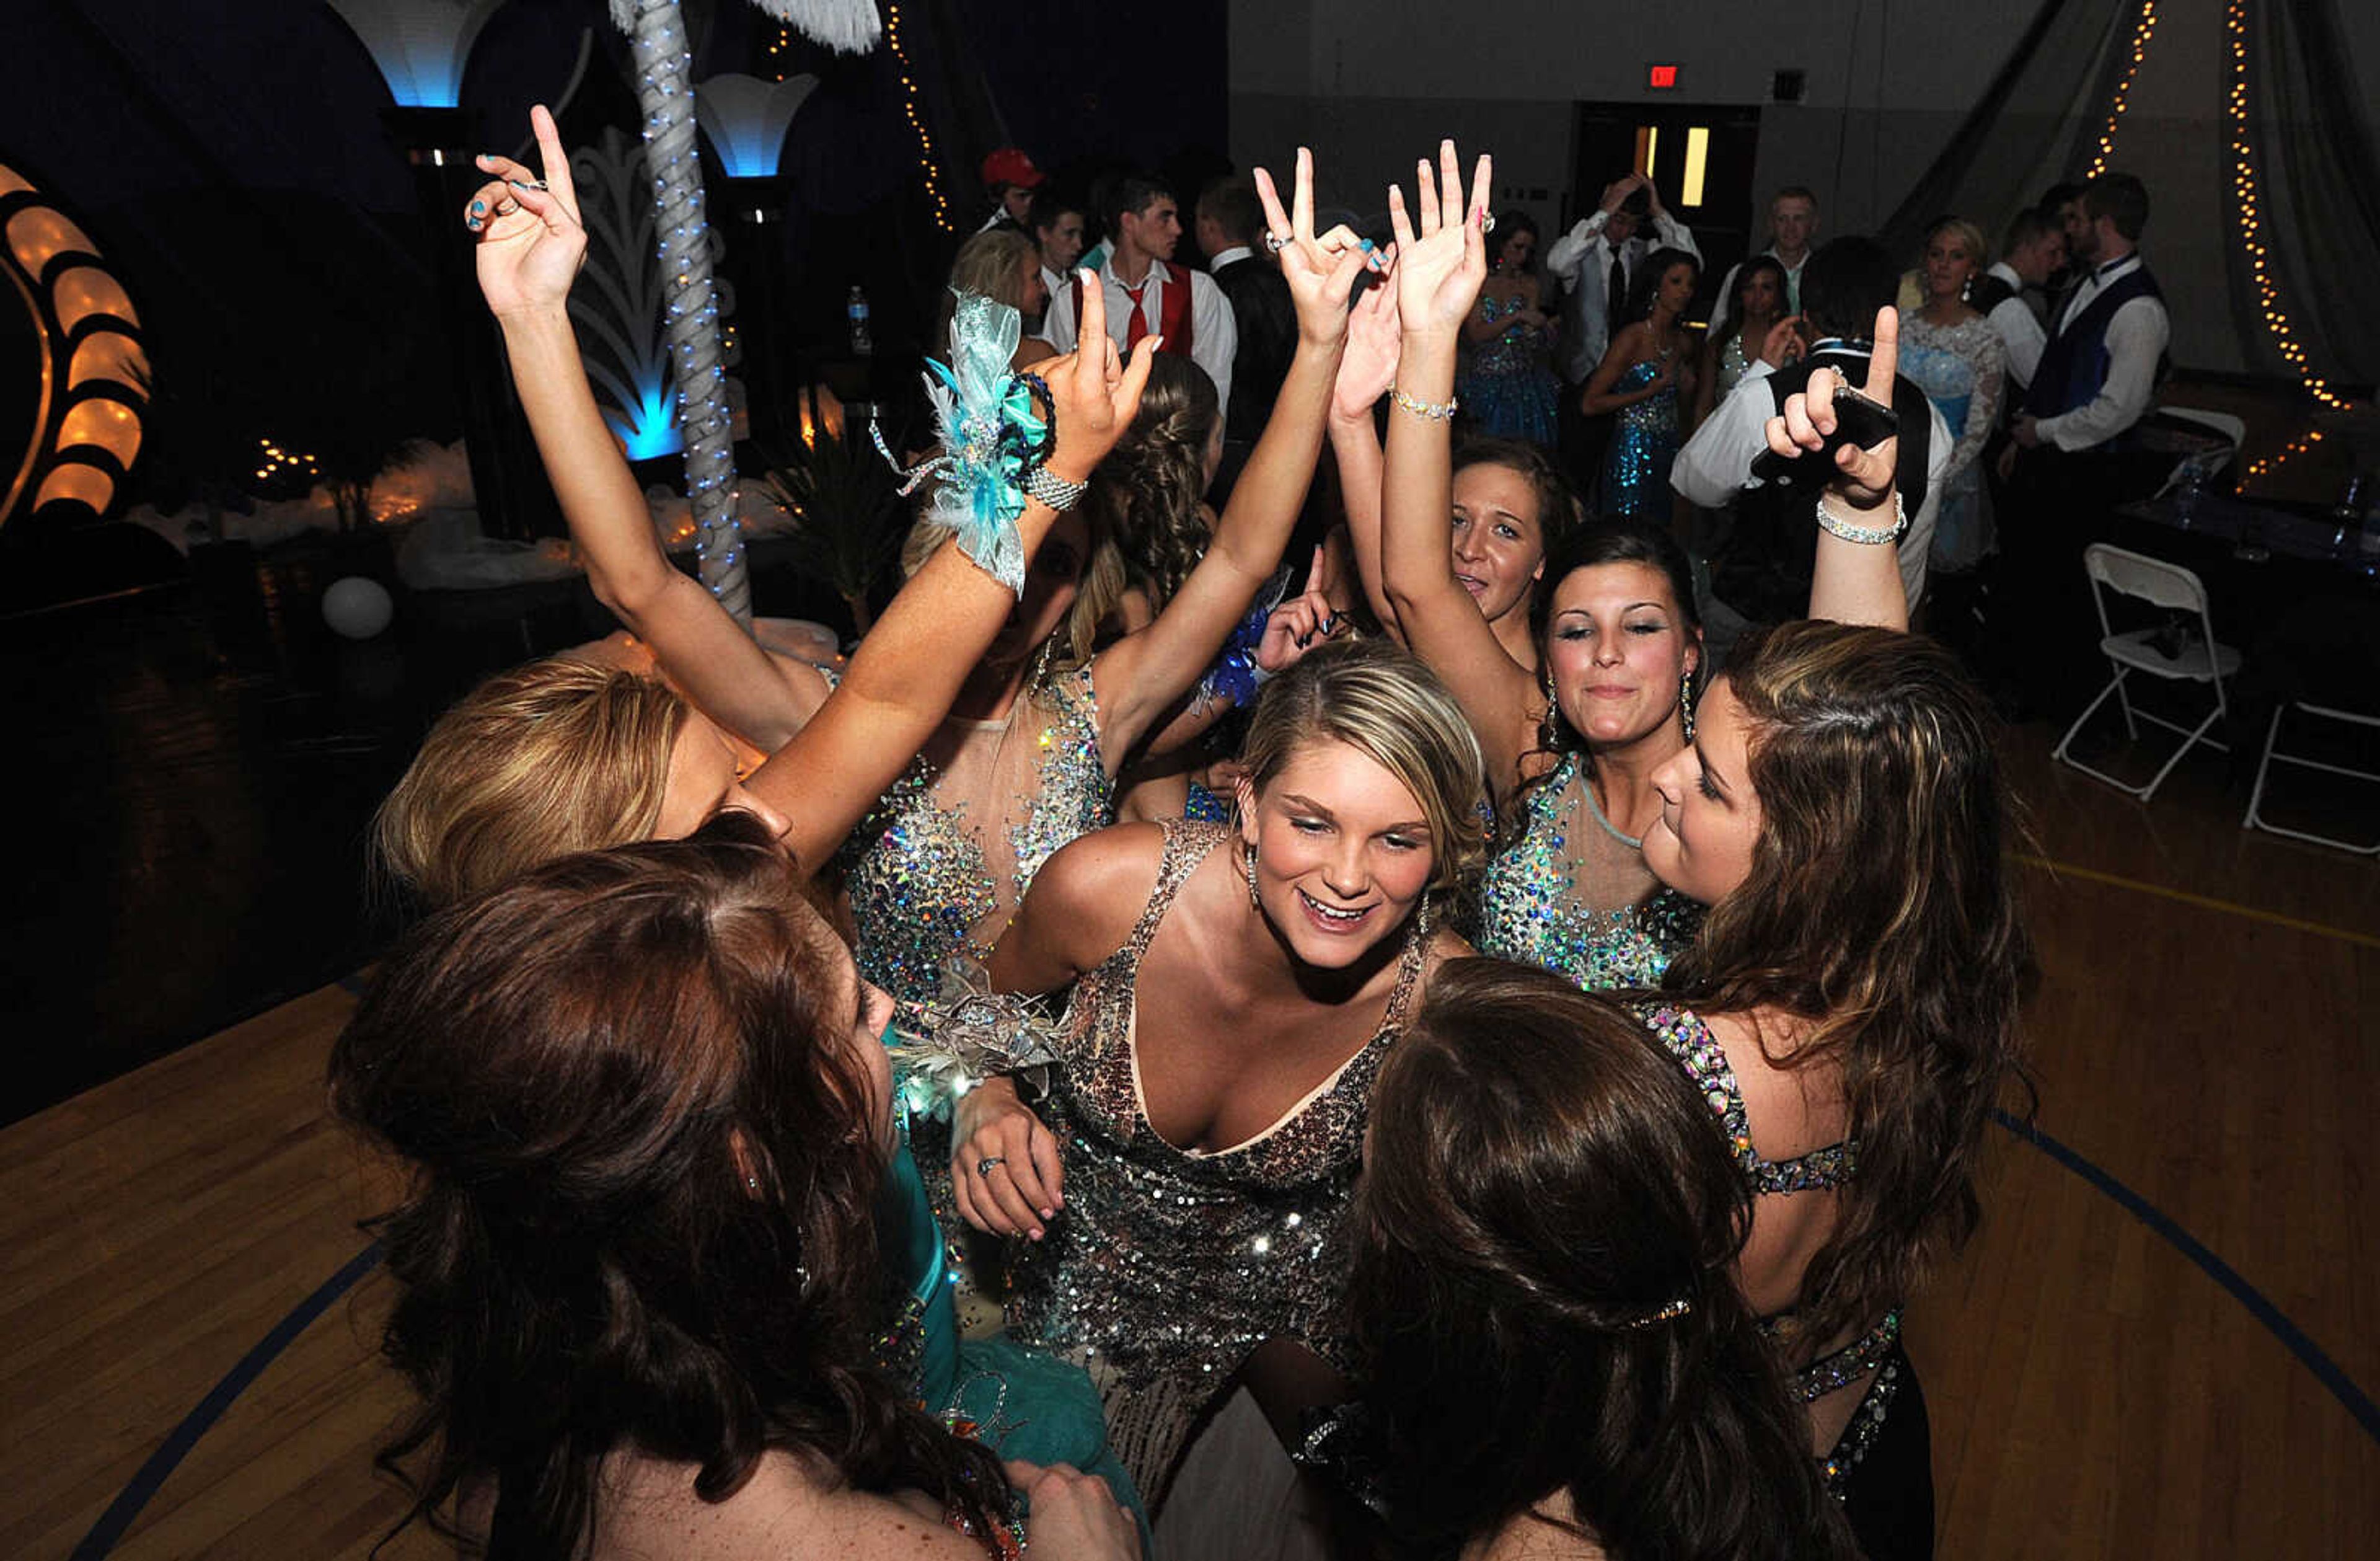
(1661, 77)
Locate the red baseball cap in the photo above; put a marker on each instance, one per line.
(1010, 165)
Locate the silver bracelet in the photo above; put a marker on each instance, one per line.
(1866, 536)
(1053, 490)
(1433, 411)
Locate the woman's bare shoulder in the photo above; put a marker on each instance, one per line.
(647, 1506)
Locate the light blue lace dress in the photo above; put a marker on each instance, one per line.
(1962, 369)
(1573, 895)
(1507, 383)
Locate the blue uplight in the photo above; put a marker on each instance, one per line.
(654, 430)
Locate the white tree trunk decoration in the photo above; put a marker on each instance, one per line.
(692, 309)
(664, 87)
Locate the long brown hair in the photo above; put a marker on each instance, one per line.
(1544, 1289)
(1881, 910)
(1149, 485)
(643, 1178)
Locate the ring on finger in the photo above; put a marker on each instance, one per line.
(983, 1166)
(1277, 242)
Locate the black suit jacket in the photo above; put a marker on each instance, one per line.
(1268, 325)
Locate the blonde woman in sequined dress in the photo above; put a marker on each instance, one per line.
(1236, 988)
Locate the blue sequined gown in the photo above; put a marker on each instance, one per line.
(1572, 894)
(1507, 385)
(1644, 442)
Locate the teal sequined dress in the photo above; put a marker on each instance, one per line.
(1507, 383)
(1573, 895)
(1643, 446)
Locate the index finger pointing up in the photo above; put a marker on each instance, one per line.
(1885, 360)
(1301, 200)
(1268, 195)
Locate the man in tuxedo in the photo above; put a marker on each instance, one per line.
(2033, 251)
(1229, 227)
(2071, 458)
(1763, 571)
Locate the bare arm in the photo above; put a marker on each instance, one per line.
(1139, 677)
(1598, 397)
(1435, 274)
(1366, 373)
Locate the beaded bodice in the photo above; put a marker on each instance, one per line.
(1572, 894)
(1169, 1265)
(1655, 414)
(1690, 1040)
(1517, 348)
(943, 859)
(1732, 365)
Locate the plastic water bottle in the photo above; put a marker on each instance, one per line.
(862, 343)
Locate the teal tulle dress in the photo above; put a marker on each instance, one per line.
(1021, 1403)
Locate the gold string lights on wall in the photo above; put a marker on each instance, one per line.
(2142, 31)
(2247, 201)
(916, 123)
(2282, 456)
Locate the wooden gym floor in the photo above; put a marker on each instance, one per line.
(2166, 1342)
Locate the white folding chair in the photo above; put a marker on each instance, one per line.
(2255, 818)
(2197, 658)
(2233, 430)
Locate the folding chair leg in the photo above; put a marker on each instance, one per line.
(2090, 709)
(2124, 697)
(2263, 768)
(2187, 744)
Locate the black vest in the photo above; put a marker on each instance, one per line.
(1763, 570)
(2073, 367)
(1988, 292)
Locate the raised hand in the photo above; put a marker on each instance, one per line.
(1093, 394)
(1320, 271)
(1864, 479)
(1783, 343)
(1300, 624)
(531, 239)
(1441, 267)
(1375, 342)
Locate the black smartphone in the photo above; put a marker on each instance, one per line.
(1859, 420)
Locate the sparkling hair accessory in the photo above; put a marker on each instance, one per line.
(1658, 1315)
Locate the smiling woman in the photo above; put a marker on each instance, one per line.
(1236, 990)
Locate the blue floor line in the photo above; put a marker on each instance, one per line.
(176, 1446)
(2326, 1371)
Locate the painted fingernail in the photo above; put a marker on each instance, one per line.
(1304, 640)
(478, 205)
(474, 223)
(1049, 1214)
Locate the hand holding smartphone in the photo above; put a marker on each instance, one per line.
(1859, 421)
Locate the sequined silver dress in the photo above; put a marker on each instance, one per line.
(1170, 1265)
(931, 872)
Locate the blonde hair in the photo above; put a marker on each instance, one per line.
(552, 757)
(1388, 705)
(1970, 238)
(992, 264)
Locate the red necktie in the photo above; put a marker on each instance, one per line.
(1138, 328)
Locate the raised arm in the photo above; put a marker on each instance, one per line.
(1439, 272)
(1140, 675)
(1365, 372)
(531, 243)
(907, 671)
(1852, 581)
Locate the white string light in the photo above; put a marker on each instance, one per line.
(2247, 203)
(916, 123)
(2142, 31)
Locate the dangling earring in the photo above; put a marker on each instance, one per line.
(1549, 724)
(1249, 860)
(1686, 702)
(1967, 289)
(1041, 662)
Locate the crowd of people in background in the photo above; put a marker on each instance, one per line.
(1519, 994)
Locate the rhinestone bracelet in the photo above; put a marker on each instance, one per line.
(1867, 536)
(1435, 411)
